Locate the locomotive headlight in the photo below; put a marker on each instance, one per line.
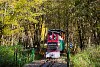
(58, 43)
(50, 37)
(54, 38)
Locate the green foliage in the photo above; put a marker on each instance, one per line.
(38, 57)
(95, 56)
(87, 58)
(17, 16)
(6, 56)
(81, 60)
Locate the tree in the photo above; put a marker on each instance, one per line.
(18, 19)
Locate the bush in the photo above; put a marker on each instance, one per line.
(7, 56)
(38, 57)
(81, 59)
(88, 58)
(95, 56)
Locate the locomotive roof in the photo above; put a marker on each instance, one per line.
(55, 30)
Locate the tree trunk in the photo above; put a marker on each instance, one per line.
(89, 42)
(12, 41)
(80, 36)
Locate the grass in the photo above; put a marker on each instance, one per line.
(87, 58)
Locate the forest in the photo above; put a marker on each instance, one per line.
(25, 23)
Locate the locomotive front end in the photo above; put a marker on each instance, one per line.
(52, 45)
(52, 50)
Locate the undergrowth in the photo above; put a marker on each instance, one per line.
(87, 58)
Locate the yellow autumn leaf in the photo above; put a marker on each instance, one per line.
(32, 20)
(7, 31)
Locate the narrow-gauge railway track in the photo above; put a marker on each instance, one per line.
(48, 63)
(54, 63)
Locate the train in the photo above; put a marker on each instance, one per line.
(55, 43)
